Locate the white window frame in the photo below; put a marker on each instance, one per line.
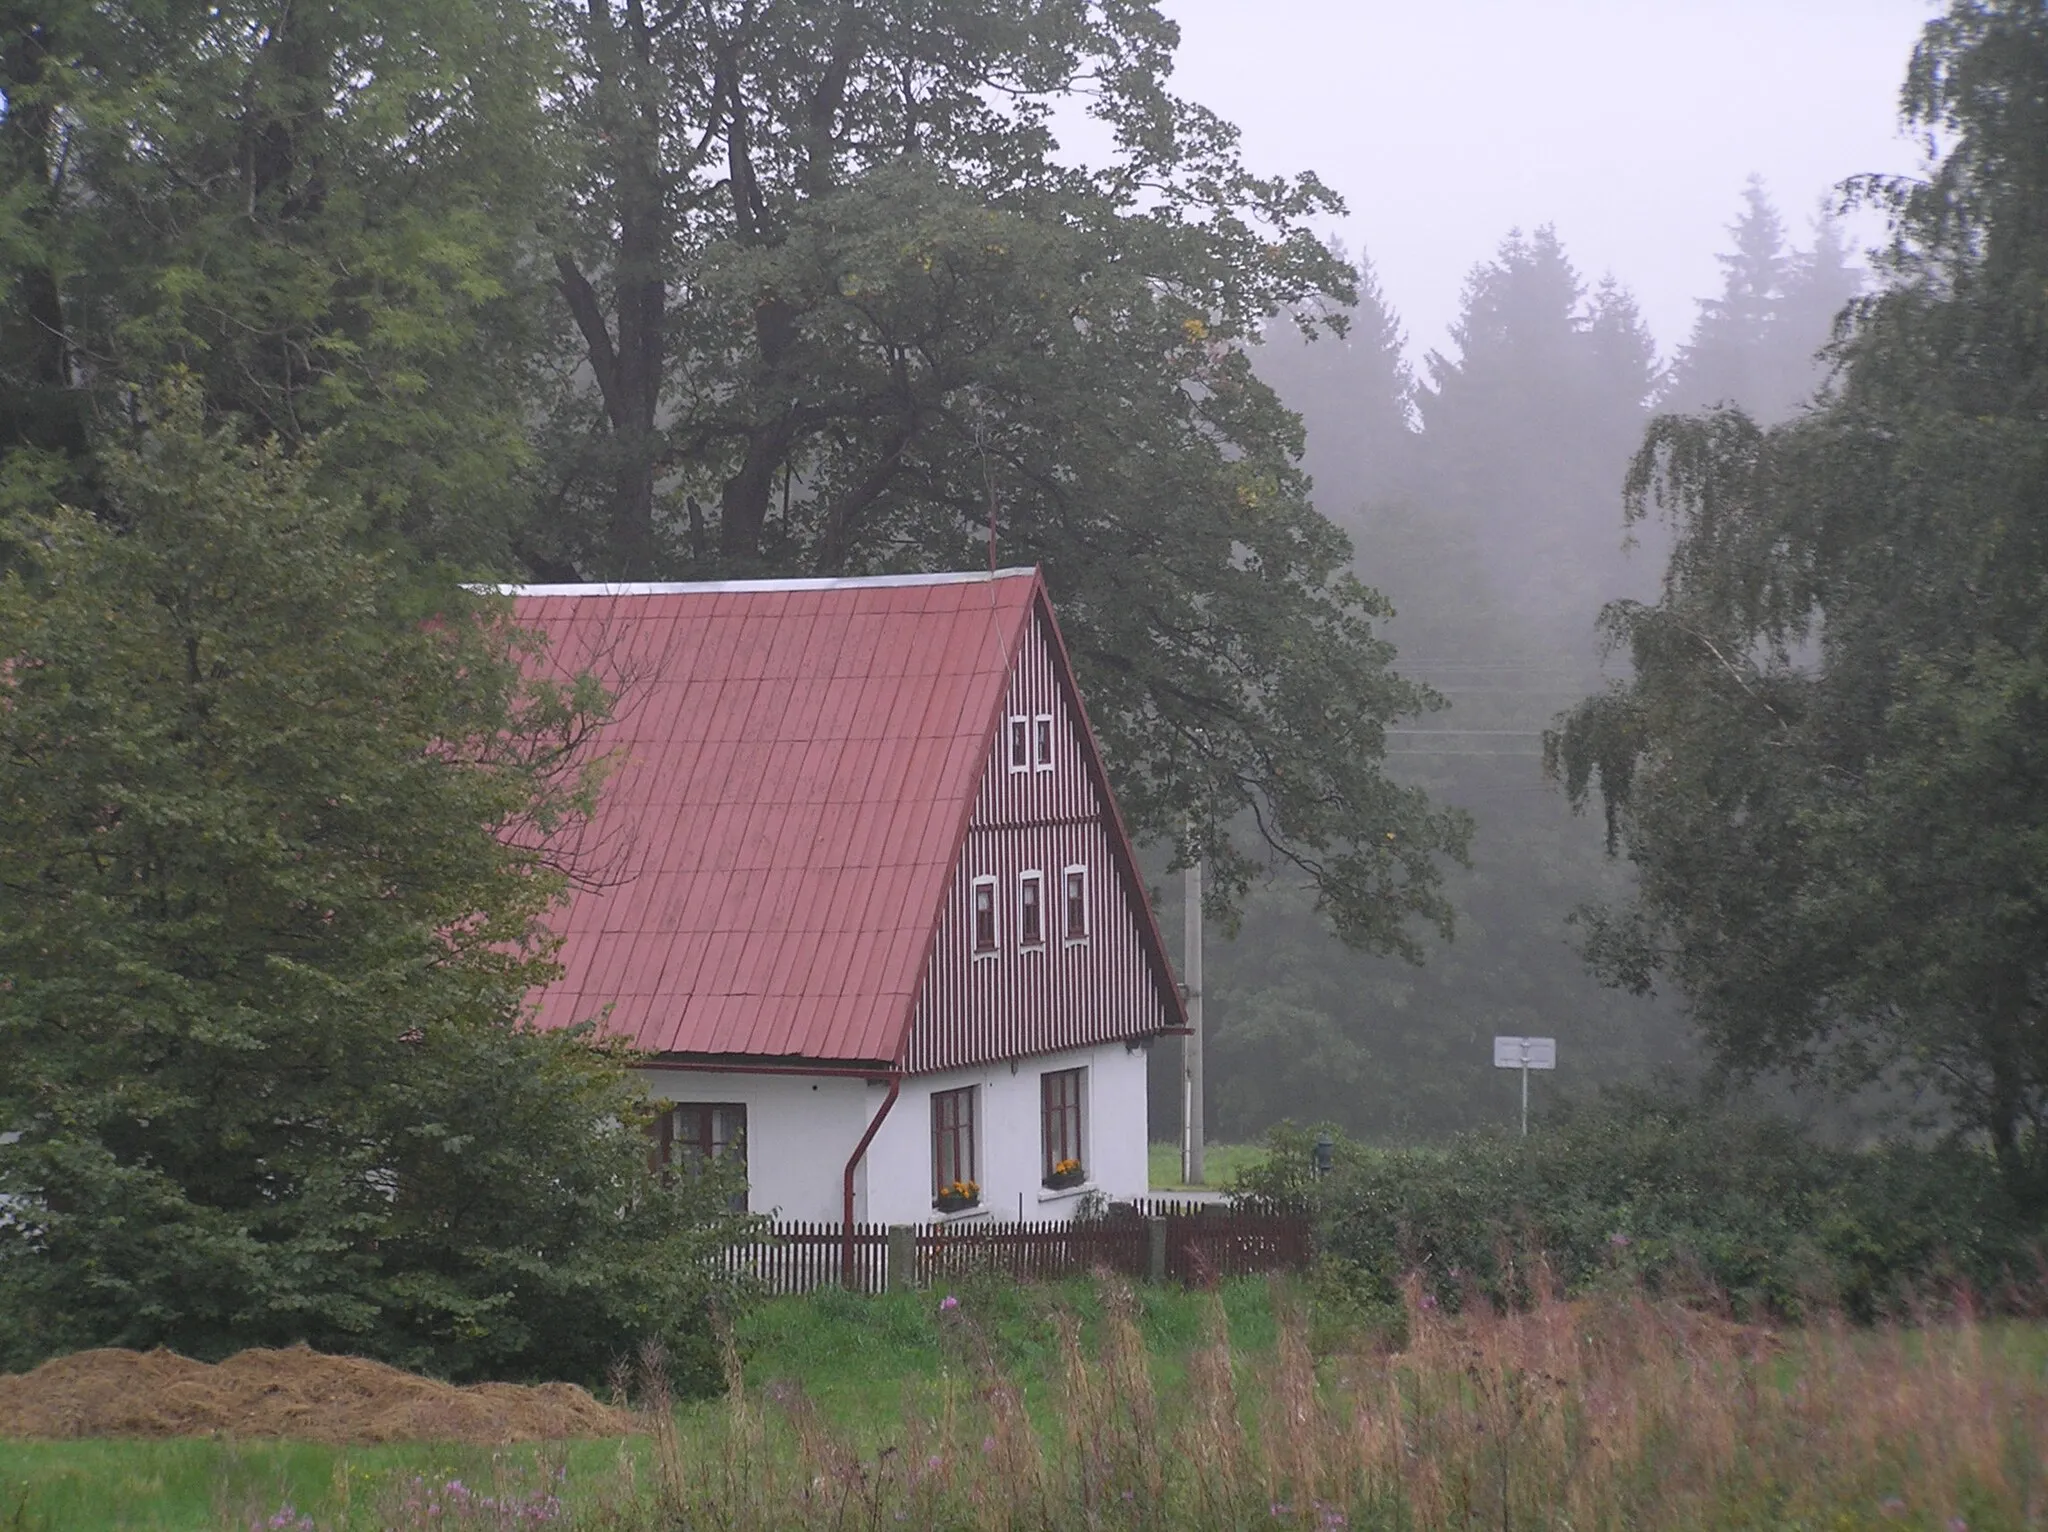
(1041, 721)
(1015, 722)
(1031, 875)
(995, 918)
(1087, 920)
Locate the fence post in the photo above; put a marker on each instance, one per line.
(902, 1257)
(1155, 1249)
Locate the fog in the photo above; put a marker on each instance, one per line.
(1577, 215)
(1629, 124)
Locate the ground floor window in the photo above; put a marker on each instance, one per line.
(691, 1134)
(956, 1171)
(1059, 1097)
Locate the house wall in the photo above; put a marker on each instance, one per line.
(800, 1131)
(1060, 994)
(899, 1162)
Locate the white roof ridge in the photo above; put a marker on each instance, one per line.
(715, 587)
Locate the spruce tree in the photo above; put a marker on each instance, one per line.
(1526, 429)
(1755, 347)
(274, 824)
(1355, 395)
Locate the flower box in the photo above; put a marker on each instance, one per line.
(954, 1202)
(1060, 1180)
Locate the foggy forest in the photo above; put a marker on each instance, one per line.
(1483, 498)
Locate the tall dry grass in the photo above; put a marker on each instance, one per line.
(1609, 1412)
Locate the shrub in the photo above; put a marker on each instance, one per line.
(1680, 1195)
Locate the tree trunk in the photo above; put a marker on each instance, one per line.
(628, 369)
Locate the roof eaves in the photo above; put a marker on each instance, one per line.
(744, 587)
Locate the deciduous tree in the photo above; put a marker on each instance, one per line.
(1829, 766)
(322, 213)
(838, 303)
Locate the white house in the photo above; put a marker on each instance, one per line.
(859, 890)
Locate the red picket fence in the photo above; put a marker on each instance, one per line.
(1204, 1242)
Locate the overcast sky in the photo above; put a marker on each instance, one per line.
(1629, 124)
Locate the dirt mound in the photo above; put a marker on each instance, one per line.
(299, 1393)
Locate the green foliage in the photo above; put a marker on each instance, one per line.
(317, 211)
(266, 947)
(1681, 1196)
(1827, 769)
(833, 293)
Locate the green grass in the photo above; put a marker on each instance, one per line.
(1221, 1163)
(864, 1361)
(195, 1483)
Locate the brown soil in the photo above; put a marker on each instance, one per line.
(298, 1393)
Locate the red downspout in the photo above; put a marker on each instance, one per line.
(852, 1164)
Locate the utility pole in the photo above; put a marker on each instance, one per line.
(1191, 1045)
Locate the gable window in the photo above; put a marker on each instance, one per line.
(984, 915)
(1041, 731)
(1020, 744)
(693, 1134)
(1031, 910)
(1059, 1115)
(1074, 903)
(956, 1168)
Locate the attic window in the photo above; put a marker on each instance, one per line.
(984, 915)
(1041, 730)
(1020, 743)
(1031, 909)
(1074, 903)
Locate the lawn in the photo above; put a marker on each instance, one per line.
(206, 1483)
(1220, 1165)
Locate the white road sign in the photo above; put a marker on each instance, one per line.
(1525, 1053)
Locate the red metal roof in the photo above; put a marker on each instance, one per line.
(796, 764)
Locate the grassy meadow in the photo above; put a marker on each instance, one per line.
(1220, 1165)
(1261, 1405)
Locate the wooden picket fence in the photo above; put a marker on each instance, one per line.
(1029, 1252)
(802, 1257)
(1202, 1243)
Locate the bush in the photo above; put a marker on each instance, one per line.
(1679, 1195)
